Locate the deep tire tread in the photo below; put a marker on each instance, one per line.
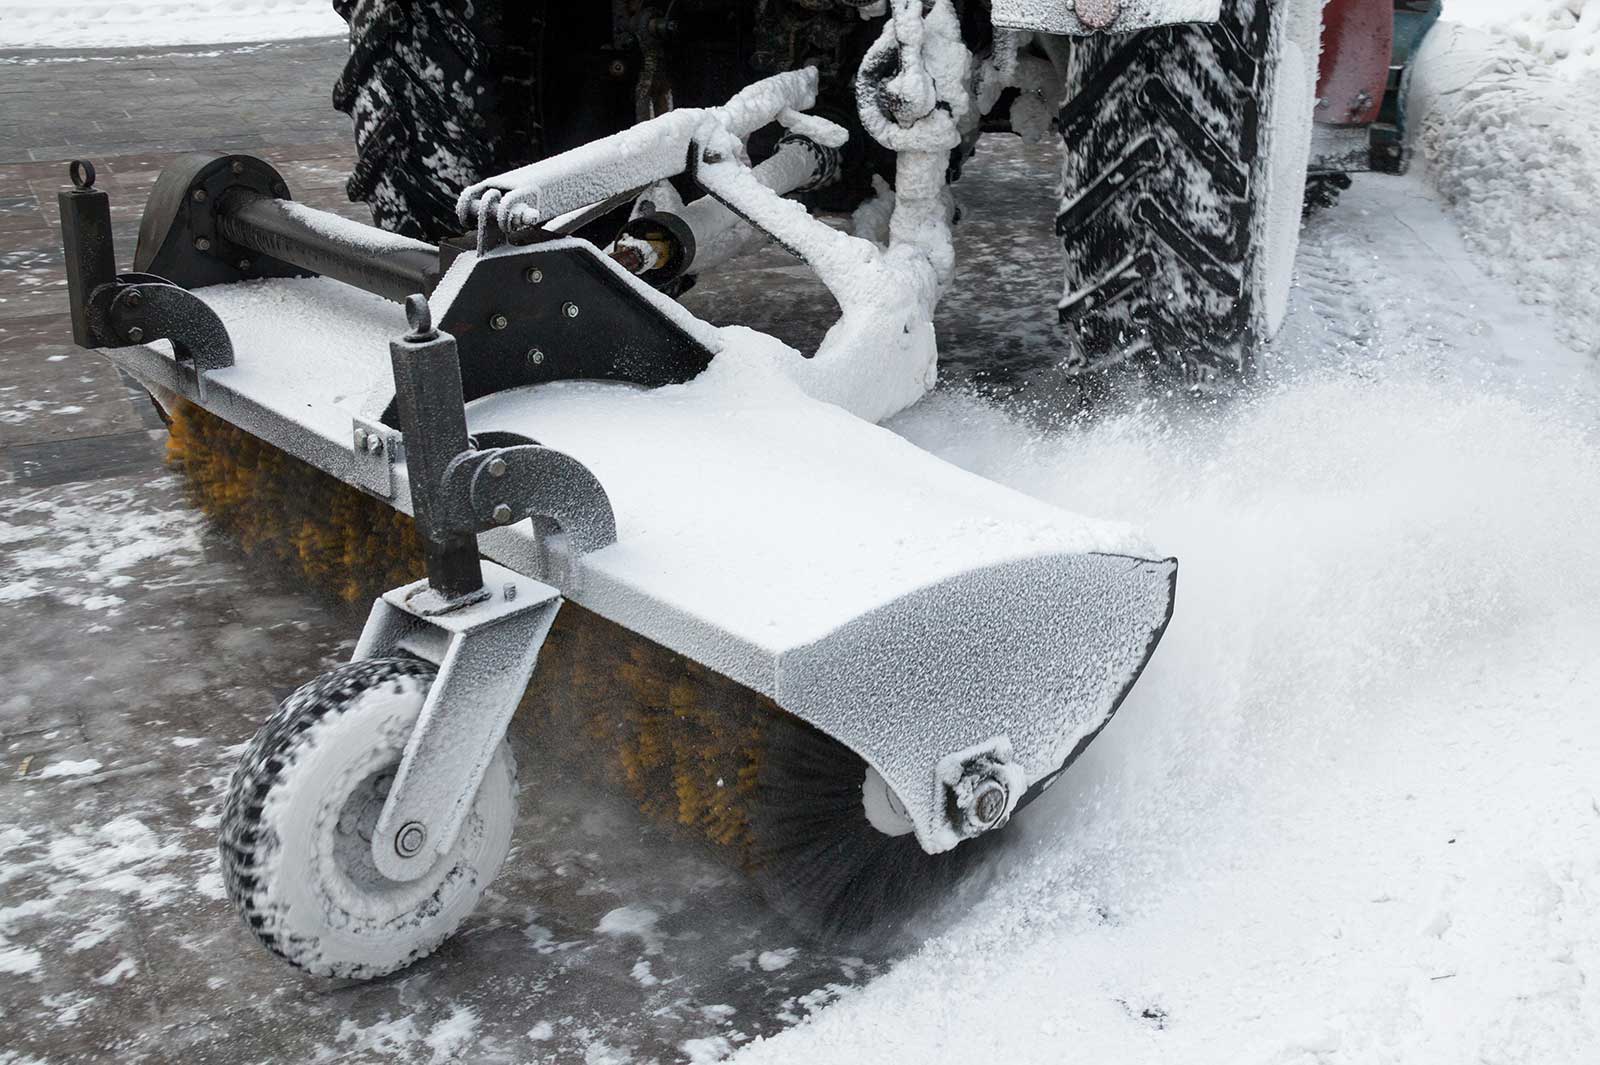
(269, 753)
(441, 95)
(1161, 135)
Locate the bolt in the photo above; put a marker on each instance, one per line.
(374, 444)
(361, 439)
(202, 243)
(280, 189)
(136, 334)
(618, 68)
(536, 357)
(502, 514)
(497, 467)
(409, 840)
(498, 322)
(989, 802)
(510, 591)
(244, 265)
(570, 310)
(199, 196)
(711, 156)
(133, 298)
(237, 168)
(534, 275)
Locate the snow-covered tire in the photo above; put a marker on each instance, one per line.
(1184, 162)
(309, 785)
(442, 94)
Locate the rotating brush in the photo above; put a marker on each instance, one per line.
(775, 796)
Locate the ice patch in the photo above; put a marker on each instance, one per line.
(125, 968)
(633, 921)
(773, 960)
(68, 769)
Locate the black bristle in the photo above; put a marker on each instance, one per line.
(822, 863)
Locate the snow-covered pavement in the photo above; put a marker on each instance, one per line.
(79, 24)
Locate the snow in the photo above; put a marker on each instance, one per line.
(69, 769)
(1562, 33)
(1349, 814)
(79, 24)
(1478, 100)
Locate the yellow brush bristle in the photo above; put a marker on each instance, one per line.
(686, 743)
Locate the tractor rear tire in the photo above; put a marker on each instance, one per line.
(442, 95)
(1184, 163)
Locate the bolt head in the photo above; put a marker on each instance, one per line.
(237, 168)
(711, 155)
(502, 514)
(134, 298)
(570, 310)
(202, 243)
(989, 802)
(497, 467)
(536, 357)
(534, 275)
(361, 439)
(374, 444)
(199, 196)
(510, 592)
(498, 322)
(409, 840)
(136, 334)
(245, 265)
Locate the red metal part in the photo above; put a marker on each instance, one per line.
(1357, 44)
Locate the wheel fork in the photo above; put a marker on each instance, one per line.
(486, 651)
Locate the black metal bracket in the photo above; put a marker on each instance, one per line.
(457, 490)
(140, 308)
(182, 236)
(491, 487)
(559, 311)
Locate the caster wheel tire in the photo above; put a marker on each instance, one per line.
(298, 820)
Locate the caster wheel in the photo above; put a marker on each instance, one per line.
(298, 820)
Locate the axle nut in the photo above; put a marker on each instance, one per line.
(409, 840)
(989, 802)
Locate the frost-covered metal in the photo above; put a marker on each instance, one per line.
(964, 640)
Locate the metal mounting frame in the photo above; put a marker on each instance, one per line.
(486, 652)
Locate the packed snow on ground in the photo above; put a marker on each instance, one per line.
(1350, 814)
(1508, 134)
(78, 24)
(1563, 33)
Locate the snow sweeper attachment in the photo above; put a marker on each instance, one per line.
(783, 625)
